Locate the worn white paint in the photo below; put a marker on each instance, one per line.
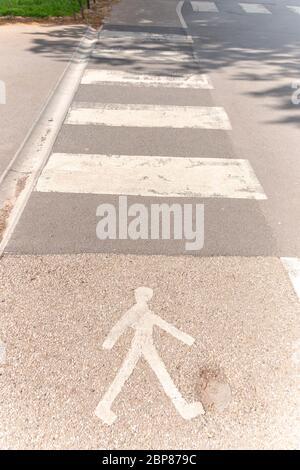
(120, 77)
(150, 176)
(184, 25)
(295, 9)
(142, 320)
(204, 7)
(254, 8)
(292, 265)
(180, 16)
(144, 54)
(138, 37)
(140, 115)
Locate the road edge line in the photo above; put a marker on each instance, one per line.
(179, 13)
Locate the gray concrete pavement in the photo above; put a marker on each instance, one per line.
(33, 58)
(63, 290)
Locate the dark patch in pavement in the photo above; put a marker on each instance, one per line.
(214, 390)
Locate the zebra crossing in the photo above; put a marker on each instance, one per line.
(202, 6)
(147, 140)
(199, 174)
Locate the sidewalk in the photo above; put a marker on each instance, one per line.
(33, 58)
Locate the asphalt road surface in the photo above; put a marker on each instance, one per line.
(195, 105)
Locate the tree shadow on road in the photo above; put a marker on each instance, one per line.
(59, 42)
(268, 53)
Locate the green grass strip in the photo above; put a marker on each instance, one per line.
(39, 8)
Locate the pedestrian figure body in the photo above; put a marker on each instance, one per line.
(142, 320)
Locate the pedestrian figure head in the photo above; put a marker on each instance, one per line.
(143, 294)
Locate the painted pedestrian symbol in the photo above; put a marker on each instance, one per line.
(142, 320)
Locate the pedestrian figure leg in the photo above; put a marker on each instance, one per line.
(103, 410)
(186, 410)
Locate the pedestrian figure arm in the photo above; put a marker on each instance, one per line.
(117, 331)
(178, 334)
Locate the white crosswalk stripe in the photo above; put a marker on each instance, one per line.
(142, 55)
(249, 8)
(138, 37)
(295, 9)
(204, 7)
(150, 176)
(135, 115)
(120, 77)
(255, 8)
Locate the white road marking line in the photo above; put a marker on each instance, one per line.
(254, 8)
(142, 320)
(179, 13)
(204, 7)
(292, 265)
(150, 176)
(143, 55)
(2, 353)
(120, 77)
(295, 9)
(135, 115)
(139, 36)
(183, 23)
